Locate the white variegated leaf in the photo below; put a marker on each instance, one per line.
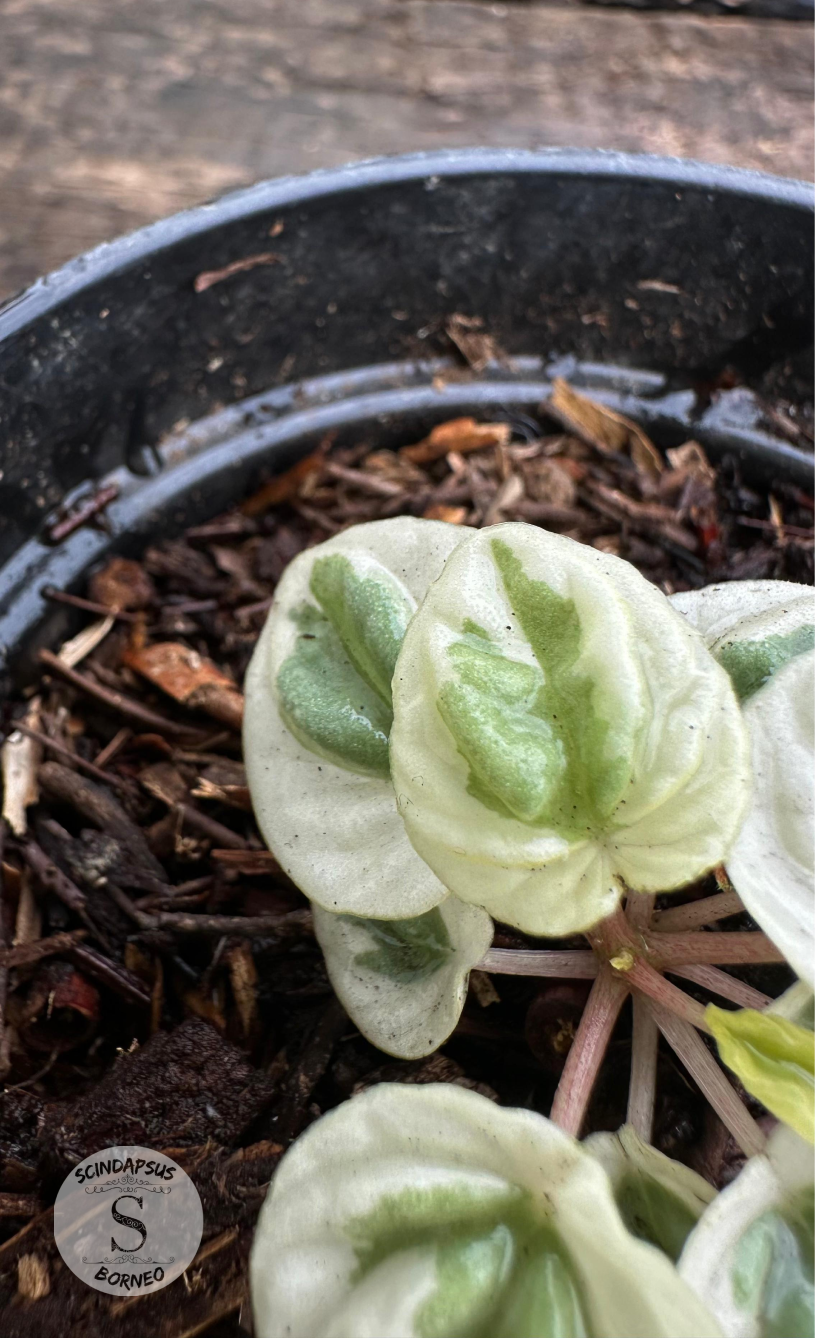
(750, 1256)
(559, 728)
(772, 864)
(404, 982)
(318, 715)
(429, 1212)
(659, 1199)
(763, 633)
(753, 628)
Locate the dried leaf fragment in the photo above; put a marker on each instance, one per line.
(457, 434)
(189, 678)
(603, 428)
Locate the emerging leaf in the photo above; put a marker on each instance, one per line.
(318, 716)
(750, 1259)
(660, 1200)
(429, 1211)
(404, 982)
(774, 1058)
(558, 729)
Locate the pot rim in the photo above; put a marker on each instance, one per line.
(110, 258)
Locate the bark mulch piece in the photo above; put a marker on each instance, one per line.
(159, 979)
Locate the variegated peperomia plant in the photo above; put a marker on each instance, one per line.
(443, 726)
(429, 1212)
(535, 773)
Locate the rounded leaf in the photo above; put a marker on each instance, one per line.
(750, 1256)
(429, 1211)
(660, 1200)
(559, 727)
(318, 716)
(772, 864)
(753, 628)
(404, 982)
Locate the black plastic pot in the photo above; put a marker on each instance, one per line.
(642, 278)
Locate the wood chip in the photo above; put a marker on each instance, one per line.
(73, 652)
(476, 347)
(243, 978)
(457, 434)
(33, 1280)
(189, 678)
(602, 428)
(452, 515)
(287, 485)
(484, 989)
(28, 922)
(19, 760)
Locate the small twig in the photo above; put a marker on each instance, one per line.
(207, 826)
(358, 478)
(726, 986)
(111, 974)
(576, 965)
(89, 605)
(643, 1083)
(28, 954)
(35, 1077)
(86, 509)
(51, 877)
(110, 750)
(698, 913)
(290, 924)
(117, 701)
(588, 1050)
(703, 1068)
(19, 1205)
(739, 949)
(640, 976)
(73, 759)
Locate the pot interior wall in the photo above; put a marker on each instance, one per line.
(317, 304)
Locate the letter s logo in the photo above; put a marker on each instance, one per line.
(133, 1222)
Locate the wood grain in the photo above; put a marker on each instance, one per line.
(114, 114)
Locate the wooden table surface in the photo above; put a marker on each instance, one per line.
(114, 113)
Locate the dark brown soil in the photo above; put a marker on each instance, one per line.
(160, 983)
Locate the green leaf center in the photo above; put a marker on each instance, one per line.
(536, 746)
(334, 690)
